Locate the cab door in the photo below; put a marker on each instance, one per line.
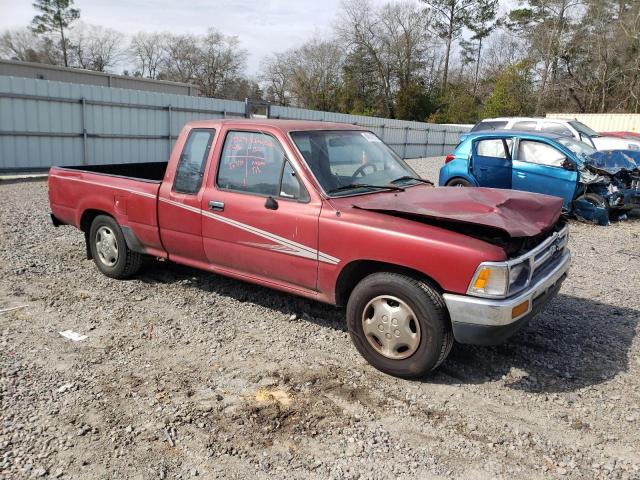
(491, 162)
(542, 168)
(259, 219)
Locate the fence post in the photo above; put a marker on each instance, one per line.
(426, 142)
(404, 146)
(382, 133)
(85, 156)
(169, 115)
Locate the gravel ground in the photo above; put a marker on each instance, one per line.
(187, 374)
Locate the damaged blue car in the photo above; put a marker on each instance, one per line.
(594, 185)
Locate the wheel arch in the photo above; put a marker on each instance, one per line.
(87, 218)
(355, 271)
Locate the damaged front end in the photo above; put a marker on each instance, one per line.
(609, 185)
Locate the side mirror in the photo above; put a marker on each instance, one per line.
(271, 204)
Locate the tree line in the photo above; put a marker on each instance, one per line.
(448, 61)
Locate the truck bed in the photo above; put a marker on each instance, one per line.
(149, 171)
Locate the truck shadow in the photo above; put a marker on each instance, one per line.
(575, 342)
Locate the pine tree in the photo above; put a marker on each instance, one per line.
(55, 16)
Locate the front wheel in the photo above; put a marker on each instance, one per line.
(109, 249)
(399, 324)
(458, 182)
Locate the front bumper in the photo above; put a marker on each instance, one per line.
(482, 321)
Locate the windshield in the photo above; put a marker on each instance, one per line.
(583, 129)
(581, 149)
(352, 161)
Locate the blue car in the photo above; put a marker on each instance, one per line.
(593, 185)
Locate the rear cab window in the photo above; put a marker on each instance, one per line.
(489, 125)
(255, 163)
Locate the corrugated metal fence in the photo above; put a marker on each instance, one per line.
(45, 123)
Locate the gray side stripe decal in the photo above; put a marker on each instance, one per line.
(284, 245)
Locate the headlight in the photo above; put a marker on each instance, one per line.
(519, 276)
(490, 281)
(633, 146)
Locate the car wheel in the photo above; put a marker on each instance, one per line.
(458, 182)
(109, 249)
(399, 324)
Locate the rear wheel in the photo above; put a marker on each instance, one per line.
(399, 324)
(109, 249)
(458, 182)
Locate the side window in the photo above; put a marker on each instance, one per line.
(251, 162)
(193, 160)
(540, 153)
(254, 162)
(491, 148)
(527, 125)
(553, 127)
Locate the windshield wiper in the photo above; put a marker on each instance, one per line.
(365, 185)
(409, 177)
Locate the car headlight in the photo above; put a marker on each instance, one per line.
(519, 276)
(490, 280)
(633, 146)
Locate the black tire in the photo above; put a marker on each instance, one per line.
(458, 182)
(436, 337)
(127, 262)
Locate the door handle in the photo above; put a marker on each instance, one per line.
(484, 169)
(521, 175)
(217, 206)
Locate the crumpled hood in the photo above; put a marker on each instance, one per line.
(614, 161)
(518, 214)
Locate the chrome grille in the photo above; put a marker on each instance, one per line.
(541, 258)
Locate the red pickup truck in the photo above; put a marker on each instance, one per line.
(329, 212)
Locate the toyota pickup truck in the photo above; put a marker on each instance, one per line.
(329, 212)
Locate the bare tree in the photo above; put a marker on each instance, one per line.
(277, 74)
(221, 61)
(21, 44)
(359, 28)
(182, 56)
(147, 53)
(96, 48)
(316, 74)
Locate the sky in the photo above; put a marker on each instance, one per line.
(262, 26)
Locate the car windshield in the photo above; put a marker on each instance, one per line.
(583, 129)
(581, 149)
(346, 162)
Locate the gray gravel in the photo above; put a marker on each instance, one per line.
(185, 374)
